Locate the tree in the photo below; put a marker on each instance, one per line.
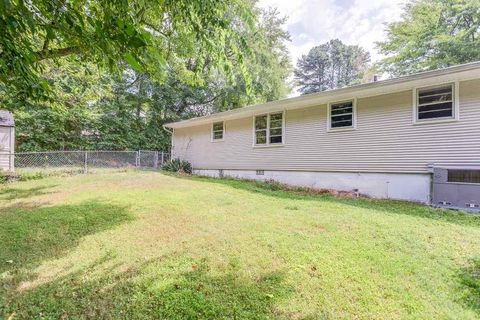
(63, 123)
(147, 34)
(268, 67)
(432, 35)
(174, 99)
(331, 65)
(93, 108)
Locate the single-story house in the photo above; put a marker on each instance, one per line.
(7, 140)
(382, 139)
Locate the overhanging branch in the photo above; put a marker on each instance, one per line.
(56, 53)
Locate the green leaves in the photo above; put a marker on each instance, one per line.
(132, 66)
(105, 33)
(136, 42)
(432, 35)
(133, 62)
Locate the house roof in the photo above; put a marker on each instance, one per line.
(6, 119)
(456, 73)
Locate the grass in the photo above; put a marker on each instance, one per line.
(145, 245)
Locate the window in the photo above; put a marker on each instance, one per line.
(465, 176)
(342, 115)
(276, 128)
(217, 131)
(261, 129)
(269, 129)
(435, 103)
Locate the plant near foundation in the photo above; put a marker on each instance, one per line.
(179, 166)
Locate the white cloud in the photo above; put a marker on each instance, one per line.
(355, 22)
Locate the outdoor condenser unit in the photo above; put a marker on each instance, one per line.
(457, 188)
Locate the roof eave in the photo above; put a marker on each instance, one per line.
(456, 73)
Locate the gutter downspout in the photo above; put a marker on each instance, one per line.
(431, 167)
(171, 132)
(166, 129)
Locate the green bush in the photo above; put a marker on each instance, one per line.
(26, 176)
(7, 176)
(177, 165)
(3, 177)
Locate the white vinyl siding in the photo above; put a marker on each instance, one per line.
(384, 141)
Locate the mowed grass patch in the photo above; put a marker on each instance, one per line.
(144, 245)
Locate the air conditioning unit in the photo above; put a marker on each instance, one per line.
(457, 188)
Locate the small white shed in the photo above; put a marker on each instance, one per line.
(7, 140)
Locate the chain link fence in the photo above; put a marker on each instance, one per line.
(86, 161)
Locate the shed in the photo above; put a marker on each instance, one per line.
(7, 140)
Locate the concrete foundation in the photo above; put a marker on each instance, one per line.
(401, 186)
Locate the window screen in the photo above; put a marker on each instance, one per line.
(466, 176)
(217, 131)
(341, 115)
(276, 128)
(261, 129)
(269, 129)
(435, 103)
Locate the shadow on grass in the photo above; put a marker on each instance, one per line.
(19, 193)
(29, 235)
(151, 291)
(470, 282)
(278, 190)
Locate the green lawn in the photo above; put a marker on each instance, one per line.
(144, 245)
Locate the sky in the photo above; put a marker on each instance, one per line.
(355, 22)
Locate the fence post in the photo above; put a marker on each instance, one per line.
(137, 159)
(162, 160)
(85, 162)
(155, 159)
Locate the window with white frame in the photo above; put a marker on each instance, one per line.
(275, 122)
(342, 114)
(269, 129)
(435, 103)
(218, 131)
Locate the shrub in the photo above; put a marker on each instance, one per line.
(7, 176)
(177, 165)
(3, 177)
(25, 176)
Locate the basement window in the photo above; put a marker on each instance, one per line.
(464, 176)
(435, 103)
(341, 115)
(218, 129)
(268, 129)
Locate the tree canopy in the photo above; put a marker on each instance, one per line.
(331, 65)
(90, 105)
(432, 35)
(149, 35)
